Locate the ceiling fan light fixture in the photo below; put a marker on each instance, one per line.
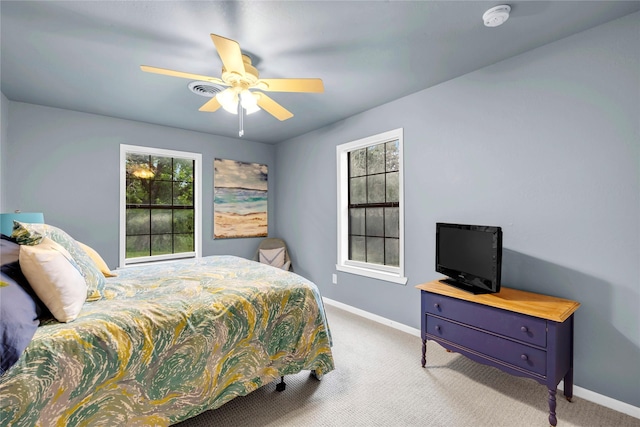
(229, 100)
(252, 109)
(249, 101)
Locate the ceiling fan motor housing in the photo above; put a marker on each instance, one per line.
(249, 79)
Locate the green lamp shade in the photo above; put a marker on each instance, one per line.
(6, 220)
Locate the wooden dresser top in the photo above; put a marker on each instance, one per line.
(537, 305)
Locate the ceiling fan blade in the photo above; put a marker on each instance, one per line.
(292, 85)
(211, 105)
(272, 107)
(184, 75)
(229, 51)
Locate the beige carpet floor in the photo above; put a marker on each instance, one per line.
(378, 381)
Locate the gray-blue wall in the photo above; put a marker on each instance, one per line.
(546, 145)
(67, 165)
(4, 114)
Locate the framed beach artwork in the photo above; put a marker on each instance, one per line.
(239, 199)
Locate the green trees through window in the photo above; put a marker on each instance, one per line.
(160, 205)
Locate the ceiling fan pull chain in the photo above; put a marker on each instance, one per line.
(240, 120)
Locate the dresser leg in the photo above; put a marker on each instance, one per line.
(424, 352)
(568, 385)
(552, 407)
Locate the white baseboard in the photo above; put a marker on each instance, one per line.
(603, 400)
(580, 392)
(374, 317)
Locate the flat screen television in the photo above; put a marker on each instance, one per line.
(470, 256)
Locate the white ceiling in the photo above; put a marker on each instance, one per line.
(86, 56)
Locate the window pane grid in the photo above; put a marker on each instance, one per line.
(159, 205)
(374, 236)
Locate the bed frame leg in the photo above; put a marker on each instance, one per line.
(281, 385)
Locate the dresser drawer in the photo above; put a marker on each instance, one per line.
(511, 352)
(514, 325)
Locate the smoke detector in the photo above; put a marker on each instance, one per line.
(205, 89)
(496, 15)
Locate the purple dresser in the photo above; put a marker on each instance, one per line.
(521, 333)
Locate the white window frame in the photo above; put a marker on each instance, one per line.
(376, 271)
(197, 203)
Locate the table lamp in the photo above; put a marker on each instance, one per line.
(6, 220)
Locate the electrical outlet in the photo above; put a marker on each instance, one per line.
(334, 279)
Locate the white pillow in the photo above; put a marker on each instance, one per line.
(274, 257)
(52, 274)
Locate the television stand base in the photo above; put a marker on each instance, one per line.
(464, 287)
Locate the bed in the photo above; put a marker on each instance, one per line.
(166, 342)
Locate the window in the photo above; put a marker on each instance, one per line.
(370, 208)
(160, 194)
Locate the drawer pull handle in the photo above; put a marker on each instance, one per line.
(438, 328)
(524, 329)
(436, 305)
(524, 357)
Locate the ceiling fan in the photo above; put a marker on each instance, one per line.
(244, 83)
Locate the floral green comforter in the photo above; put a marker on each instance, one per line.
(167, 342)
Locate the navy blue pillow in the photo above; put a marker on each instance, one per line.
(18, 320)
(9, 250)
(14, 272)
(20, 307)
